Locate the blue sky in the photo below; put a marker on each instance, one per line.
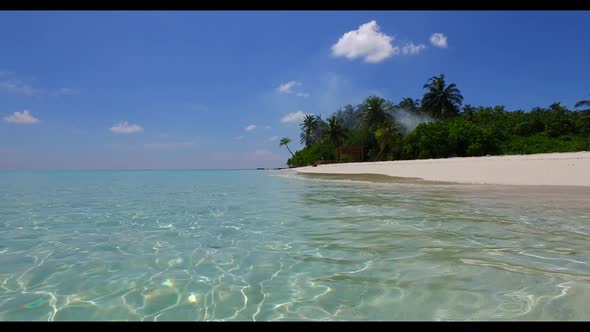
(143, 90)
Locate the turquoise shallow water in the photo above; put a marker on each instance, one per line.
(258, 245)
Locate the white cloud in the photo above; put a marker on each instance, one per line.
(23, 117)
(274, 138)
(239, 138)
(263, 153)
(366, 42)
(288, 87)
(411, 48)
(439, 40)
(267, 127)
(17, 87)
(250, 127)
(293, 117)
(125, 128)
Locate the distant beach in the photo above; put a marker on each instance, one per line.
(551, 169)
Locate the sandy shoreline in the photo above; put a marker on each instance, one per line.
(551, 169)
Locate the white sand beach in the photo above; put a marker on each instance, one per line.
(551, 169)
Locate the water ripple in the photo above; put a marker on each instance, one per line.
(246, 245)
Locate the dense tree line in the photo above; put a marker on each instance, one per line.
(439, 126)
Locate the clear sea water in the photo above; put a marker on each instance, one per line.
(262, 245)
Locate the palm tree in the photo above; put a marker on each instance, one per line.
(349, 116)
(468, 111)
(285, 141)
(308, 127)
(409, 104)
(388, 133)
(441, 101)
(320, 129)
(373, 112)
(335, 132)
(583, 103)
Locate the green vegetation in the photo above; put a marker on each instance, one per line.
(440, 100)
(312, 154)
(308, 129)
(437, 127)
(583, 103)
(373, 112)
(388, 136)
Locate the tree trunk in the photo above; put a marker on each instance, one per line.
(378, 154)
(292, 155)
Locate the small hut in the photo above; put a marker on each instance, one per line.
(352, 153)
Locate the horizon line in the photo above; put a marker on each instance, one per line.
(139, 169)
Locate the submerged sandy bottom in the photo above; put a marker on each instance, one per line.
(555, 169)
(251, 245)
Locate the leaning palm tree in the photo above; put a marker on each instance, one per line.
(387, 134)
(308, 127)
(373, 112)
(582, 103)
(441, 101)
(285, 141)
(335, 132)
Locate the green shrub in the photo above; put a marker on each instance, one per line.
(362, 137)
(558, 121)
(309, 155)
(467, 139)
(345, 158)
(457, 138)
(582, 123)
(544, 144)
(428, 140)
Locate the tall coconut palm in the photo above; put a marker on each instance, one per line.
(285, 141)
(308, 127)
(441, 101)
(321, 127)
(387, 134)
(335, 132)
(582, 103)
(373, 112)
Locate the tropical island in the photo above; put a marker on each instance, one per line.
(439, 126)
